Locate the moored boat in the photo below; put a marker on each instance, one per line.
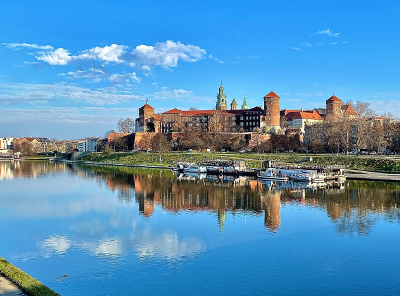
(272, 174)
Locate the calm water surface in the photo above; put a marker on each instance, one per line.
(121, 231)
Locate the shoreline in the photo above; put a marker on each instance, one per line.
(14, 281)
(354, 174)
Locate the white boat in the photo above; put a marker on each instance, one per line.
(192, 176)
(304, 175)
(272, 174)
(195, 169)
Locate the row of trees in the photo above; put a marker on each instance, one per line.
(346, 133)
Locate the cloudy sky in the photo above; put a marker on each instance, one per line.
(72, 69)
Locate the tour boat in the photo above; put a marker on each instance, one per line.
(272, 174)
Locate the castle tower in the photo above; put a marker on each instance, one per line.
(234, 105)
(244, 105)
(145, 113)
(271, 109)
(221, 99)
(333, 106)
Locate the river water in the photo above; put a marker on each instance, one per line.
(87, 230)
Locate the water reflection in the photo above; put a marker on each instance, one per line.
(353, 206)
(108, 227)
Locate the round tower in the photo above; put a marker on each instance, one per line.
(333, 106)
(271, 109)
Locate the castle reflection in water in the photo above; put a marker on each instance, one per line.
(353, 207)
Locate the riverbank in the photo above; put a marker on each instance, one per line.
(14, 281)
(381, 164)
(380, 168)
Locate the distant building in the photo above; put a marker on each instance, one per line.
(88, 144)
(6, 144)
(299, 119)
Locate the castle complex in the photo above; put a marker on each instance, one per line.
(244, 120)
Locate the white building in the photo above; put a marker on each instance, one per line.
(6, 144)
(88, 144)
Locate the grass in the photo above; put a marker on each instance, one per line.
(254, 160)
(24, 281)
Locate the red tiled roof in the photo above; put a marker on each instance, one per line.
(349, 110)
(285, 111)
(271, 95)
(303, 115)
(172, 111)
(146, 106)
(197, 112)
(333, 98)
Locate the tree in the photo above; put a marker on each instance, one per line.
(361, 124)
(145, 141)
(160, 144)
(125, 125)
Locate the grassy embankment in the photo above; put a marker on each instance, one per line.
(24, 281)
(254, 160)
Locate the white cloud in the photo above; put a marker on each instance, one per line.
(327, 32)
(24, 93)
(165, 54)
(307, 44)
(333, 43)
(296, 48)
(60, 56)
(97, 75)
(173, 94)
(318, 94)
(387, 106)
(16, 46)
(90, 63)
(216, 59)
(110, 53)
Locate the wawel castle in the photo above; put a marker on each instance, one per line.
(243, 120)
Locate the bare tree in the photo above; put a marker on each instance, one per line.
(145, 141)
(160, 144)
(125, 125)
(361, 125)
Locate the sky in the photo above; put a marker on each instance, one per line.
(72, 69)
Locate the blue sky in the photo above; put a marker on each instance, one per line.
(71, 69)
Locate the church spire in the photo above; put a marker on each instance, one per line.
(221, 99)
(244, 105)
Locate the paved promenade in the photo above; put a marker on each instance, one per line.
(372, 176)
(7, 288)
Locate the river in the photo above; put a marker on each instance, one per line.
(95, 230)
